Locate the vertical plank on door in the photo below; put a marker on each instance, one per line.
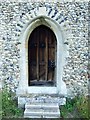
(37, 56)
(50, 58)
(46, 39)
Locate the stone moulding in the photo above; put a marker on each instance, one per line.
(52, 19)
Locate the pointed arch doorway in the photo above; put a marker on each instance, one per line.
(31, 82)
(42, 49)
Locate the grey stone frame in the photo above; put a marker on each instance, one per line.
(23, 87)
(42, 17)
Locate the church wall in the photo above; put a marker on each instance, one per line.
(75, 32)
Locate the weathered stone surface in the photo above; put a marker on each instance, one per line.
(41, 99)
(42, 110)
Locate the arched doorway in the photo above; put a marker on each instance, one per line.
(42, 57)
(47, 86)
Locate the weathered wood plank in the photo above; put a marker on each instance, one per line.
(46, 40)
(37, 57)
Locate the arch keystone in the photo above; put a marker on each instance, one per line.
(41, 11)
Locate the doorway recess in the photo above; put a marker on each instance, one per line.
(42, 57)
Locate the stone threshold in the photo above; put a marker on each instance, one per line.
(28, 95)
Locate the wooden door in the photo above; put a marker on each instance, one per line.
(41, 57)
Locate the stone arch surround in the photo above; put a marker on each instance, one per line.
(45, 9)
(51, 18)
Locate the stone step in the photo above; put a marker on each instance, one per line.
(41, 110)
(41, 114)
(45, 109)
(35, 116)
(41, 105)
(23, 100)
